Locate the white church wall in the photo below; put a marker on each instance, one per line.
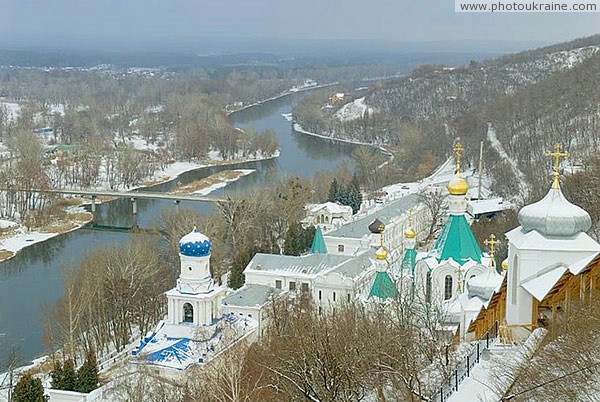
(342, 245)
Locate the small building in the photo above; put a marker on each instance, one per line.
(327, 215)
(486, 208)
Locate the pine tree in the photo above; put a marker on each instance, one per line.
(87, 375)
(57, 376)
(355, 196)
(293, 240)
(29, 389)
(308, 236)
(334, 191)
(69, 376)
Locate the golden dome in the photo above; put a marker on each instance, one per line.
(410, 233)
(381, 254)
(458, 186)
(505, 265)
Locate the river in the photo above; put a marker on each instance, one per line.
(31, 282)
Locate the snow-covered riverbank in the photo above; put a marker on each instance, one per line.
(286, 93)
(22, 237)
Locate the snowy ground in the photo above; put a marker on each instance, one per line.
(12, 109)
(223, 183)
(354, 110)
(493, 139)
(286, 93)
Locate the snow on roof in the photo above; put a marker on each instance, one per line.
(577, 267)
(478, 207)
(533, 240)
(251, 295)
(179, 346)
(539, 285)
(331, 207)
(360, 227)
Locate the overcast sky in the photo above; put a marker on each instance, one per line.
(165, 21)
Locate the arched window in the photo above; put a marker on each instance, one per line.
(333, 296)
(188, 313)
(322, 219)
(448, 287)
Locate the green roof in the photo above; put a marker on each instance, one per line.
(409, 259)
(383, 287)
(457, 242)
(318, 244)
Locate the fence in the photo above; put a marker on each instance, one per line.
(465, 366)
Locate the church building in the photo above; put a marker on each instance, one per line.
(551, 264)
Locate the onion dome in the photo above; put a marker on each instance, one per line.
(484, 285)
(458, 185)
(410, 233)
(381, 254)
(195, 244)
(375, 227)
(554, 216)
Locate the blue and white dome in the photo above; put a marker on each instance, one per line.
(195, 244)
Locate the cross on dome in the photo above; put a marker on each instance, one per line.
(491, 243)
(557, 155)
(458, 149)
(381, 253)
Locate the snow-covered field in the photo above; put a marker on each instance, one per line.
(12, 109)
(354, 110)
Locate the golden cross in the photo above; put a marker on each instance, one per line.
(557, 155)
(458, 149)
(410, 216)
(491, 243)
(381, 229)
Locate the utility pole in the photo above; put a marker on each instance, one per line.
(480, 169)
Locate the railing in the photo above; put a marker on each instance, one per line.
(465, 366)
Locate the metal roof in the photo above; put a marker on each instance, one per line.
(250, 295)
(360, 227)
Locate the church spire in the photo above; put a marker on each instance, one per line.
(318, 244)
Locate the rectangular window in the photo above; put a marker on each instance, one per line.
(278, 284)
(305, 287)
(333, 296)
(292, 286)
(320, 295)
(340, 248)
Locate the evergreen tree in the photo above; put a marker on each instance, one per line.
(87, 375)
(355, 196)
(69, 379)
(29, 389)
(308, 237)
(240, 261)
(298, 240)
(57, 376)
(334, 191)
(293, 240)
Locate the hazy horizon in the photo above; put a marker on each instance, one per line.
(237, 25)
